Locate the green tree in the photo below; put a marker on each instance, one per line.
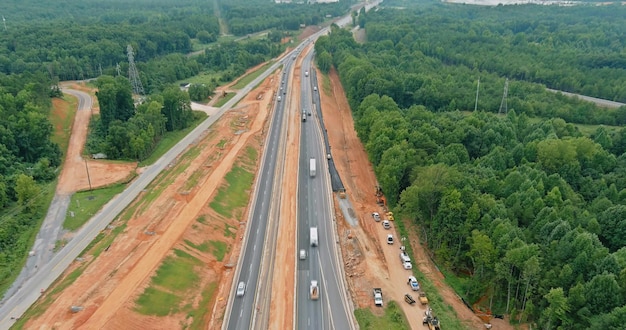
(26, 189)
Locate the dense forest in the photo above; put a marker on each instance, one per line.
(528, 211)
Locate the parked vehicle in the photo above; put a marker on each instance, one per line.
(409, 299)
(376, 216)
(422, 298)
(415, 286)
(378, 297)
(390, 239)
(407, 265)
(386, 224)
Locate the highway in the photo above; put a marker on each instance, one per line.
(28, 292)
(242, 309)
(315, 210)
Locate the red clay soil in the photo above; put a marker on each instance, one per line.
(77, 172)
(178, 218)
(369, 261)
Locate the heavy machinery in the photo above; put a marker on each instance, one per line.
(409, 299)
(422, 298)
(380, 199)
(342, 193)
(431, 320)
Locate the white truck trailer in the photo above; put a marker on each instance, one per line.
(314, 241)
(312, 167)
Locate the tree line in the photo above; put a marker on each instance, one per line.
(523, 206)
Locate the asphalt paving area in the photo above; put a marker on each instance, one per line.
(174, 216)
(368, 261)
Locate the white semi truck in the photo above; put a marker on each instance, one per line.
(314, 241)
(312, 167)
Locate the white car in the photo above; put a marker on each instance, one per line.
(389, 239)
(415, 286)
(376, 216)
(315, 88)
(241, 289)
(302, 254)
(407, 265)
(386, 224)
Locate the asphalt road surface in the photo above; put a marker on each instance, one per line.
(29, 291)
(331, 311)
(241, 311)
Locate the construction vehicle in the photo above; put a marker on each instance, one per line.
(422, 298)
(314, 291)
(380, 199)
(342, 193)
(409, 299)
(431, 320)
(390, 216)
(378, 297)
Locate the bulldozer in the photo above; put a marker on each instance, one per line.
(431, 320)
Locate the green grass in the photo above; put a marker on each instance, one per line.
(16, 258)
(171, 138)
(233, 195)
(193, 179)
(251, 156)
(326, 84)
(62, 120)
(228, 232)
(157, 302)
(245, 80)
(203, 311)
(223, 100)
(219, 249)
(207, 77)
(84, 205)
(174, 278)
(202, 219)
(222, 143)
(393, 319)
(204, 247)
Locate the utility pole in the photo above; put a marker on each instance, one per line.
(503, 103)
(88, 178)
(477, 87)
(5, 23)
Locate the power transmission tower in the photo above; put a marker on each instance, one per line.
(133, 75)
(503, 103)
(118, 69)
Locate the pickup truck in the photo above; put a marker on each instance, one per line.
(378, 297)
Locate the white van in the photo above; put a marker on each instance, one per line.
(404, 257)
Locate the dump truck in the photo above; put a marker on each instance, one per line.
(422, 298)
(378, 297)
(312, 167)
(314, 290)
(314, 236)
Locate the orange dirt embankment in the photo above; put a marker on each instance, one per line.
(109, 285)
